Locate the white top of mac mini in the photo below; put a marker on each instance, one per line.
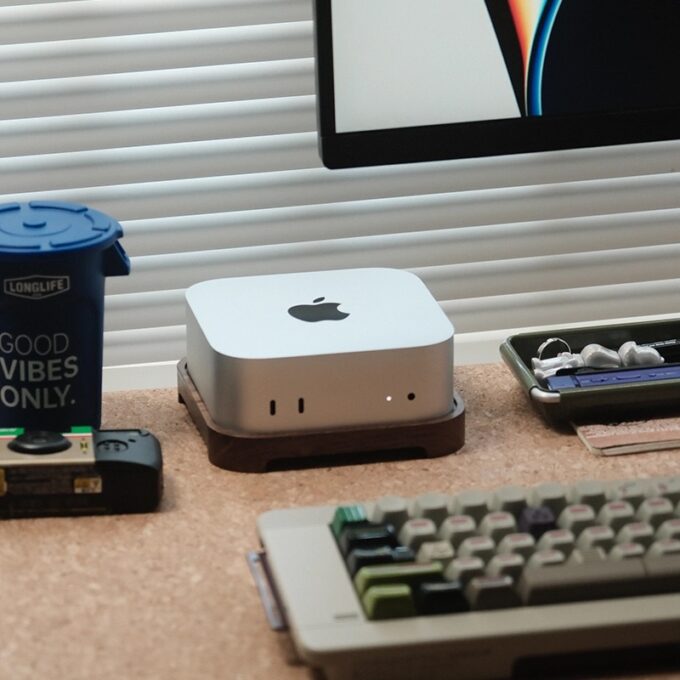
(319, 351)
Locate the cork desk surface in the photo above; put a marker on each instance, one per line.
(169, 595)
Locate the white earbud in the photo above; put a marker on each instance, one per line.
(597, 356)
(633, 355)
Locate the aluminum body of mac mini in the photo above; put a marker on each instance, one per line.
(319, 351)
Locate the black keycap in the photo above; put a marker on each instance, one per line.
(364, 557)
(536, 521)
(371, 536)
(441, 598)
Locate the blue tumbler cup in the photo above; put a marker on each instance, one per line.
(54, 258)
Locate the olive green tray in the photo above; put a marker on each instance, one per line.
(607, 403)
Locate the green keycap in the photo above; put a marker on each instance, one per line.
(390, 574)
(345, 515)
(388, 602)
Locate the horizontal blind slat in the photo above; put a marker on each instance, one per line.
(158, 162)
(144, 310)
(156, 272)
(524, 169)
(250, 155)
(143, 52)
(552, 272)
(144, 345)
(94, 18)
(300, 187)
(117, 91)
(431, 218)
(136, 127)
(557, 308)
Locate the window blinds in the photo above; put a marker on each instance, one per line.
(192, 122)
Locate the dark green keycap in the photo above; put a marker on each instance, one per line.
(346, 515)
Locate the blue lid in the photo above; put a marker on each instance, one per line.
(44, 227)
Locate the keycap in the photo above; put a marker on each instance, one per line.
(388, 602)
(510, 499)
(491, 592)
(622, 551)
(536, 521)
(456, 528)
(390, 510)
(615, 514)
(632, 491)
(576, 518)
(411, 574)
(587, 555)
(589, 492)
(655, 511)
(550, 495)
(663, 573)
(415, 532)
(348, 515)
(364, 557)
(664, 547)
(636, 532)
(462, 569)
(442, 551)
(447, 597)
(434, 506)
(367, 536)
(590, 581)
(477, 546)
(497, 525)
(669, 488)
(543, 559)
(669, 529)
(521, 543)
(471, 502)
(557, 539)
(508, 564)
(597, 536)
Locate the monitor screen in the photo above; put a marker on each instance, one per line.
(416, 80)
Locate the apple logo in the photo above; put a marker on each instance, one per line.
(318, 311)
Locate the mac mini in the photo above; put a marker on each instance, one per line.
(319, 351)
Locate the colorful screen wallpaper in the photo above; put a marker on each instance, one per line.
(587, 56)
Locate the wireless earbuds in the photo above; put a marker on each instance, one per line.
(593, 356)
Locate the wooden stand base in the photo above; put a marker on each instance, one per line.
(339, 447)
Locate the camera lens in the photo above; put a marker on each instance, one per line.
(39, 442)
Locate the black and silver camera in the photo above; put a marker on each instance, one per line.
(80, 472)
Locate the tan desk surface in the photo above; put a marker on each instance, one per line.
(169, 595)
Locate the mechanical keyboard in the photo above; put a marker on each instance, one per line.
(478, 584)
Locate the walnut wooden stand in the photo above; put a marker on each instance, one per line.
(261, 453)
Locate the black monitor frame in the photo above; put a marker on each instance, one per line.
(466, 140)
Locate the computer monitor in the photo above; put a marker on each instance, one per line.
(421, 80)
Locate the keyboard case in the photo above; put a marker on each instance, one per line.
(330, 631)
(630, 401)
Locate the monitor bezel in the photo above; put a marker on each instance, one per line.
(468, 140)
